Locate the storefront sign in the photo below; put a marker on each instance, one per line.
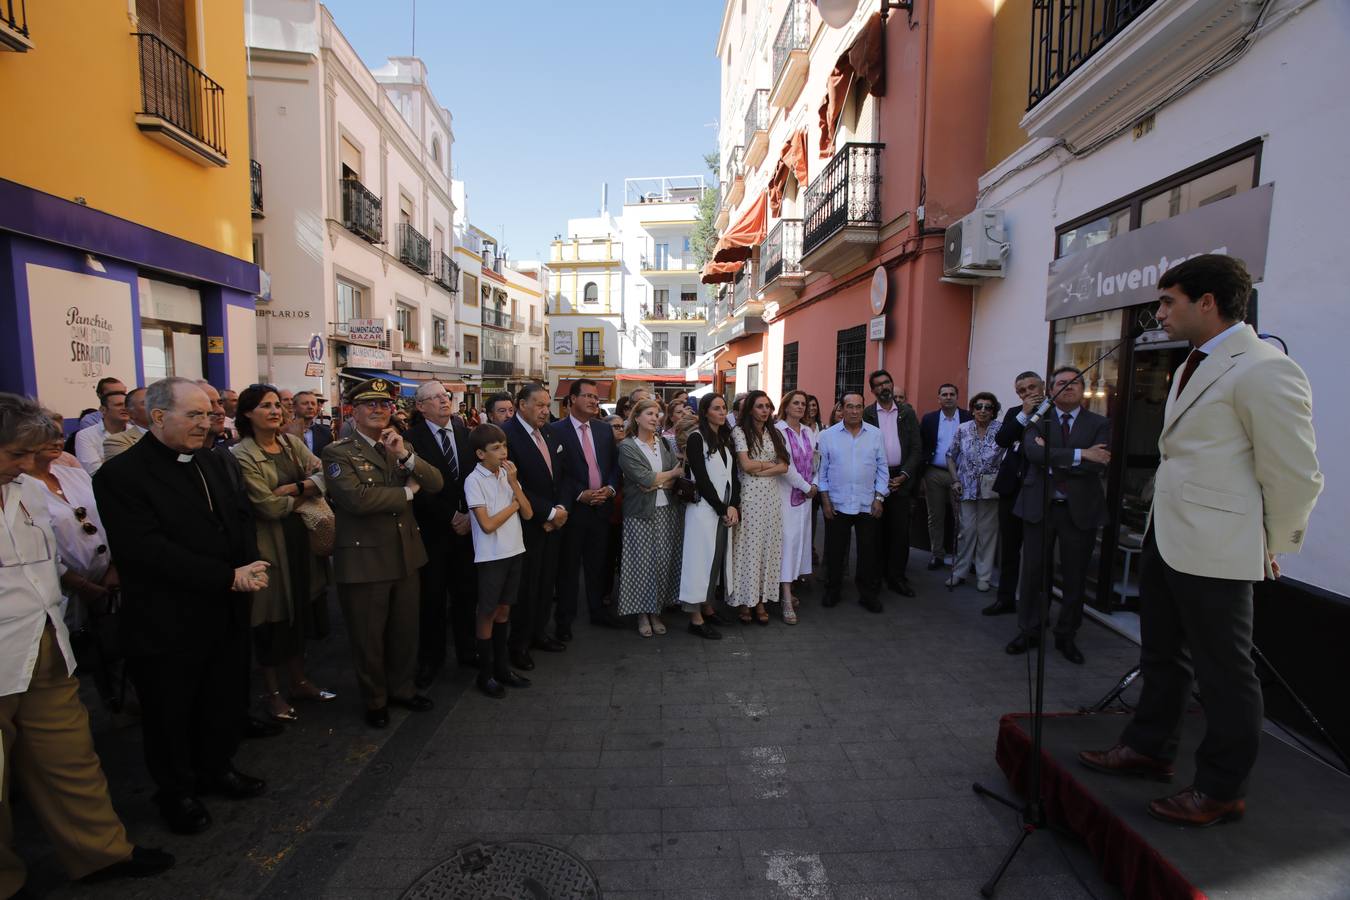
(371, 330)
(359, 357)
(1124, 271)
(81, 328)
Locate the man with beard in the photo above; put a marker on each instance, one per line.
(900, 437)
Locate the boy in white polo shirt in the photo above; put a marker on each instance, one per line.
(495, 499)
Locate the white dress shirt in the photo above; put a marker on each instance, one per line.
(449, 429)
(89, 446)
(1209, 346)
(30, 585)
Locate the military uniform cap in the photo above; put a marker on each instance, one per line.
(371, 389)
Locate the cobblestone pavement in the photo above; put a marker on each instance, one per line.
(829, 760)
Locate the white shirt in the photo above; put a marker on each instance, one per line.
(653, 453)
(30, 585)
(1209, 346)
(946, 433)
(89, 446)
(493, 493)
(79, 551)
(449, 429)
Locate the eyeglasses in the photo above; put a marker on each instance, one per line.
(378, 404)
(80, 515)
(989, 407)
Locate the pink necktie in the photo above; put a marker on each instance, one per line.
(588, 451)
(543, 449)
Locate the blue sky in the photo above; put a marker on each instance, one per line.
(550, 99)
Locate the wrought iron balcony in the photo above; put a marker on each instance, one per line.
(790, 48)
(593, 360)
(735, 176)
(1066, 33)
(517, 324)
(447, 272)
(781, 254)
(14, 26)
(536, 329)
(361, 213)
(843, 209)
(734, 163)
(757, 127)
(414, 248)
(743, 288)
(496, 318)
(499, 367)
(180, 106)
(255, 187)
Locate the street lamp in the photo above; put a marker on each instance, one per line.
(837, 13)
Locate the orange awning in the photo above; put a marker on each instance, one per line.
(791, 161)
(739, 242)
(718, 273)
(864, 60)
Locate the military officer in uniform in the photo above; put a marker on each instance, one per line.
(372, 477)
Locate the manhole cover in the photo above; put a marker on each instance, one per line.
(518, 870)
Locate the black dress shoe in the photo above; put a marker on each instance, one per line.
(184, 814)
(1021, 644)
(142, 862)
(564, 635)
(901, 587)
(872, 605)
(935, 563)
(234, 784)
(715, 619)
(829, 600)
(426, 674)
(378, 718)
(512, 680)
(548, 645)
(255, 727)
(491, 687)
(1070, 650)
(705, 631)
(416, 703)
(521, 659)
(998, 608)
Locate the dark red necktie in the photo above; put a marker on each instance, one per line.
(1192, 363)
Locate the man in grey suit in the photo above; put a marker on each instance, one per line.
(1070, 447)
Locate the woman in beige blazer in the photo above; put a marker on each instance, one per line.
(279, 471)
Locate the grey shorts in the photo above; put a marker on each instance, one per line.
(499, 583)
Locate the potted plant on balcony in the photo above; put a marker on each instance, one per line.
(440, 349)
(409, 345)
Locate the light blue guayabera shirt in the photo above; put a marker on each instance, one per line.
(852, 469)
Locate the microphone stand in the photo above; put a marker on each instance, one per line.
(1032, 811)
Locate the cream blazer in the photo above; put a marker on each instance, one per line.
(1239, 474)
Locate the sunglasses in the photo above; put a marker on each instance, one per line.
(988, 407)
(81, 514)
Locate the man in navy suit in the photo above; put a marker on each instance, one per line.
(315, 436)
(1030, 390)
(442, 440)
(539, 467)
(938, 430)
(590, 481)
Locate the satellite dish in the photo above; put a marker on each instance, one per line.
(837, 13)
(879, 289)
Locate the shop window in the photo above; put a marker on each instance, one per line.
(172, 340)
(1090, 234)
(1202, 190)
(789, 367)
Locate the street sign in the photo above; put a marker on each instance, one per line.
(876, 328)
(316, 349)
(215, 344)
(314, 370)
(370, 330)
(880, 288)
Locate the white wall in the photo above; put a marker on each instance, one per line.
(1281, 91)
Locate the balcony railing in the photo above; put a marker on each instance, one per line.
(536, 329)
(782, 250)
(846, 193)
(734, 163)
(14, 25)
(496, 318)
(500, 367)
(756, 114)
(793, 34)
(517, 324)
(175, 91)
(590, 359)
(1066, 33)
(447, 272)
(743, 288)
(361, 211)
(255, 187)
(414, 248)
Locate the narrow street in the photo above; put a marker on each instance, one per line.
(830, 760)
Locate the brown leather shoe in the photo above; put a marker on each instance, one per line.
(1190, 807)
(1121, 760)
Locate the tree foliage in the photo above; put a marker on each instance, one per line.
(704, 236)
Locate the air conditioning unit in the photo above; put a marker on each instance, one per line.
(396, 340)
(976, 246)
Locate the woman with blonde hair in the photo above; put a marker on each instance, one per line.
(653, 526)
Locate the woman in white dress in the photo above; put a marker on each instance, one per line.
(797, 493)
(709, 523)
(759, 541)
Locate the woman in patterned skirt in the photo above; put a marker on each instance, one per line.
(759, 542)
(653, 524)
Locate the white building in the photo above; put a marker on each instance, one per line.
(1198, 127)
(626, 306)
(356, 218)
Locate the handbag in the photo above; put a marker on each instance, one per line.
(987, 486)
(685, 490)
(317, 516)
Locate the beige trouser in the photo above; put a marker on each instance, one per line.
(937, 491)
(382, 622)
(979, 540)
(47, 746)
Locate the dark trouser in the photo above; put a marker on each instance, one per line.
(191, 709)
(893, 533)
(1010, 544)
(1075, 553)
(529, 617)
(583, 548)
(1193, 627)
(448, 575)
(382, 624)
(837, 532)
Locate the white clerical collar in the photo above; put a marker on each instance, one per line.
(185, 457)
